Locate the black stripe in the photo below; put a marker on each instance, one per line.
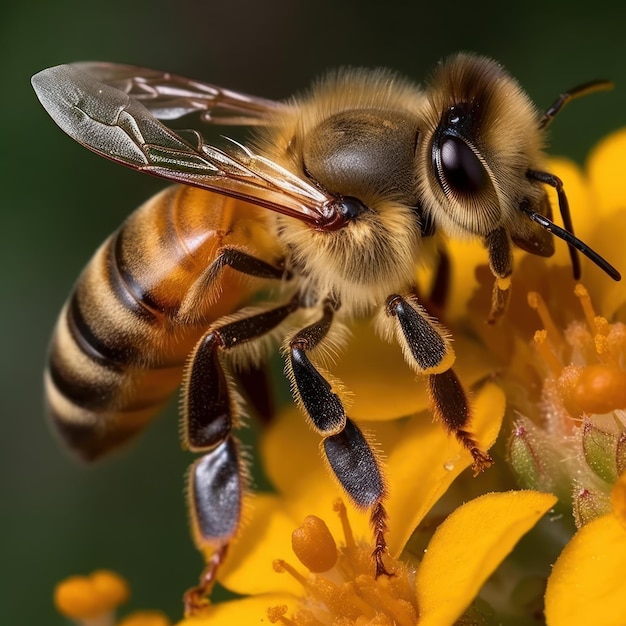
(83, 439)
(90, 441)
(127, 289)
(111, 356)
(76, 388)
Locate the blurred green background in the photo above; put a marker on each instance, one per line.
(59, 202)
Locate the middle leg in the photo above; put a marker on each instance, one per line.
(347, 451)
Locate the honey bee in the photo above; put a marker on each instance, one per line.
(331, 202)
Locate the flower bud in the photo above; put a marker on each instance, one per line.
(534, 460)
(620, 453)
(599, 450)
(589, 503)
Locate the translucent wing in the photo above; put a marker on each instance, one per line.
(110, 122)
(168, 96)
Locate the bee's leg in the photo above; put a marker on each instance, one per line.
(428, 351)
(209, 413)
(501, 263)
(348, 452)
(358, 470)
(241, 261)
(451, 406)
(204, 288)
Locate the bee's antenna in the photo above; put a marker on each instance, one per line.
(557, 183)
(576, 92)
(566, 234)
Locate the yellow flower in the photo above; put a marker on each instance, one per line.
(564, 374)
(332, 581)
(421, 461)
(587, 581)
(92, 601)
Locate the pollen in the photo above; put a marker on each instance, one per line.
(338, 581)
(314, 546)
(587, 359)
(88, 597)
(551, 331)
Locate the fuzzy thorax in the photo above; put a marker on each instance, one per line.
(361, 264)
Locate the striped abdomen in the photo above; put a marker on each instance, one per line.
(118, 349)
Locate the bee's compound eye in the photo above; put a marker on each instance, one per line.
(350, 207)
(458, 168)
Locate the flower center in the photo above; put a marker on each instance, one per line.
(577, 449)
(586, 361)
(339, 586)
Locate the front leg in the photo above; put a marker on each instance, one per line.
(427, 350)
(498, 245)
(347, 451)
(204, 289)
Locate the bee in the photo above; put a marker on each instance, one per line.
(326, 210)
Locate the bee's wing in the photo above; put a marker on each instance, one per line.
(168, 96)
(119, 127)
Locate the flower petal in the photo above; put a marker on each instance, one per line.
(465, 256)
(252, 610)
(605, 167)
(587, 581)
(424, 460)
(265, 537)
(383, 386)
(607, 208)
(454, 569)
(618, 499)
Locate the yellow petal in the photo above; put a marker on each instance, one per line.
(421, 460)
(618, 499)
(576, 187)
(246, 611)
(265, 537)
(424, 460)
(383, 386)
(605, 167)
(291, 455)
(465, 256)
(607, 208)
(454, 568)
(587, 581)
(608, 239)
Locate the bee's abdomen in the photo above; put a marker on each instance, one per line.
(118, 349)
(100, 393)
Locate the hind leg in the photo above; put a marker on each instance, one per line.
(217, 480)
